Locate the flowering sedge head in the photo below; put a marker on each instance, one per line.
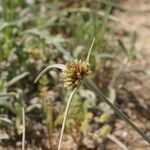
(75, 72)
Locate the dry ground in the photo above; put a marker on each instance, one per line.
(137, 106)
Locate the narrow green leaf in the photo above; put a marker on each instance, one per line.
(122, 46)
(33, 107)
(89, 52)
(93, 87)
(66, 114)
(7, 105)
(16, 79)
(7, 94)
(16, 23)
(6, 120)
(133, 41)
(4, 136)
(59, 66)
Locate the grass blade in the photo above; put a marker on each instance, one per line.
(16, 79)
(59, 66)
(6, 120)
(4, 136)
(122, 46)
(65, 115)
(89, 52)
(7, 95)
(93, 87)
(7, 105)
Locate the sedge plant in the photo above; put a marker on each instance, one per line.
(75, 73)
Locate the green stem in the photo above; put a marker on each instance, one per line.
(65, 115)
(93, 87)
(59, 66)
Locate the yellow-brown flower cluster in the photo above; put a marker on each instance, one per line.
(75, 72)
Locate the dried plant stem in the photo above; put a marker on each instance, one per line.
(119, 143)
(65, 115)
(93, 87)
(23, 133)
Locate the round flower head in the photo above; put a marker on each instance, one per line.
(75, 72)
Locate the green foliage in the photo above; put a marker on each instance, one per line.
(130, 52)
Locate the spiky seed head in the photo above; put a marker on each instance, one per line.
(75, 72)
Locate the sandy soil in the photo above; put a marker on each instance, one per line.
(137, 17)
